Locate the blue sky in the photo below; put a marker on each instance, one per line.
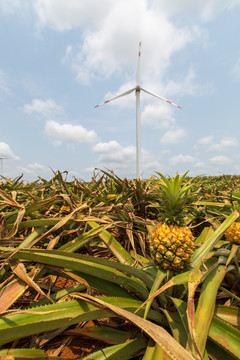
(59, 59)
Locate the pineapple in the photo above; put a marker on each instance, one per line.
(171, 243)
(233, 233)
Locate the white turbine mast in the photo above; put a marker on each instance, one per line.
(137, 90)
(1, 165)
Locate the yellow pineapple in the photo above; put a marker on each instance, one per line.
(171, 242)
(233, 233)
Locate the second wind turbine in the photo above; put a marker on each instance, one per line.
(137, 90)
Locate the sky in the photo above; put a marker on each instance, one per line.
(58, 59)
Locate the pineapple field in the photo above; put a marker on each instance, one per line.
(120, 269)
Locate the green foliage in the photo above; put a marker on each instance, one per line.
(95, 236)
(175, 196)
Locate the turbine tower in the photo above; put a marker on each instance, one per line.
(137, 90)
(1, 165)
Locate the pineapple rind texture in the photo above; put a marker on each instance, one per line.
(171, 246)
(233, 233)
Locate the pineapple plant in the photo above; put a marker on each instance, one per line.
(233, 233)
(171, 242)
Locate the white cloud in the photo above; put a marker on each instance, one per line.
(236, 70)
(113, 155)
(69, 133)
(206, 140)
(224, 144)
(34, 169)
(210, 145)
(173, 136)
(46, 108)
(100, 57)
(36, 166)
(220, 160)
(6, 152)
(158, 115)
(103, 52)
(174, 160)
(188, 86)
(3, 83)
(114, 152)
(199, 164)
(9, 6)
(206, 10)
(68, 54)
(65, 15)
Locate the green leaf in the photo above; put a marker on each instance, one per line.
(157, 333)
(158, 280)
(149, 350)
(175, 280)
(22, 323)
(217, 352)
(205, 234)
(208, 245)
(230, 293)
(22, 354)
(177, 326)
(230, 314)
(206, 305)
(160, 353)
(102, 333)
(101, 268)
(125, 351)
(225, 336)
(118, 250)
(81, 240)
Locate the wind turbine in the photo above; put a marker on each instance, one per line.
(1, 167)
(137, 90)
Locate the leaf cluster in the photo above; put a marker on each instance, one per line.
(55, 230)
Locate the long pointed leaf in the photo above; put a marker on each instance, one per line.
(209, 244)
(49, 317)
(121, 254)
(157, 333)
(226, 336)
(206, 305)
(85, 264)
(125, 351)
(22, 354)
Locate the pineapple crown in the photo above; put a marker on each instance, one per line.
(175, 197)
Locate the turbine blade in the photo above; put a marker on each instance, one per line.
(138, 65)
(116, 97)
(160, 97)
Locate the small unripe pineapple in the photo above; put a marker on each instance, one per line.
(233, 233)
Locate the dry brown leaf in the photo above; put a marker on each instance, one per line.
(8, 200)
(61, 222)
(14, 229)
(3, 227)
(19, 269)
(192, 286)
